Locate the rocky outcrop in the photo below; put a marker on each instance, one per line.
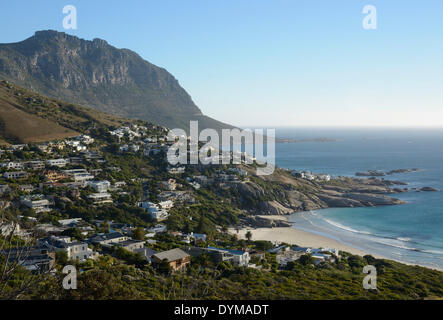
(281, 194)
(260, 222)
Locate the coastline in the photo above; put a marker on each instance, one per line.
(293, 236)
(304, 238)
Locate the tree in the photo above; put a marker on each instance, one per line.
(248, 235)
(138, 234)
(306, 260)
(61, 257)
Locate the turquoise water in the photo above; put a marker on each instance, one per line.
(413, 232)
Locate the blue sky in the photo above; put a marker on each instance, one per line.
(273, 62)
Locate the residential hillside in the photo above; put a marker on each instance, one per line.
(98, 75)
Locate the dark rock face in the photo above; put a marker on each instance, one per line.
(96, 74)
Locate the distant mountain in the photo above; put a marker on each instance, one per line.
(96, 74)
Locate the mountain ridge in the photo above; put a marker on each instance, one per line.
(95, 74)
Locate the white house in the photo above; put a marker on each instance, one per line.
(100, 198)
(36, 202)
(75, 250)
(154, 210)
(99, 186)
(57, 162)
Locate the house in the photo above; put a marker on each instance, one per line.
(75, 250)
(57, 163)
(12, 165)
(302, 249)
(7, 228)
(54, 176)
(37, 202)
(15, 175)
(170, 184)
(278, 249)
(99, 186)
(324, 177)
(176, 258)
(147, 253)
(85, 139)
(35, 165)
(108, 238)
(49, 228)
(176, 170)
(157, 213)
(237, 257)
(158, 228)
(131, 244)
(17, 147)
(197, 237)
(79, 175)
(100, 198)
(124, 148)
(26, 188)
(35, 259)
(70, 222)
(284, 257)
(257, 254)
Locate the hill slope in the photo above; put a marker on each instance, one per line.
(26, 116)
(96, 74)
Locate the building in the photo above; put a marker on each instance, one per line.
(237, 257)
(131, 245)
(37, 202)
(100, 198)
(176, 170)
(35, 165)
(176, 258)
(99, 186)
(79, 175)
(36, 259)
(12, 165)
(169, 184)
(75, 250)
(26, 188)
(15, 175)
(108, 238)
(54, 176)
(147, 253)
(57, 163)
(154, 210)
(324, 177)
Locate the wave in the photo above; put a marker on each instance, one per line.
(400, 242)
(340, 226)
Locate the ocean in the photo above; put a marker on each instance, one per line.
(411, 233)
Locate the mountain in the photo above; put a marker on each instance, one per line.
(98, 75)
(26, 116)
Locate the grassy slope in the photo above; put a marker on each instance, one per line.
(26, 117)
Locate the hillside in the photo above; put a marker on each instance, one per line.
(98, 75)
(26, 116)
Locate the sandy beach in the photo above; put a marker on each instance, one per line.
(293, 236)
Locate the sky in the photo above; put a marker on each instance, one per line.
(273, 62)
